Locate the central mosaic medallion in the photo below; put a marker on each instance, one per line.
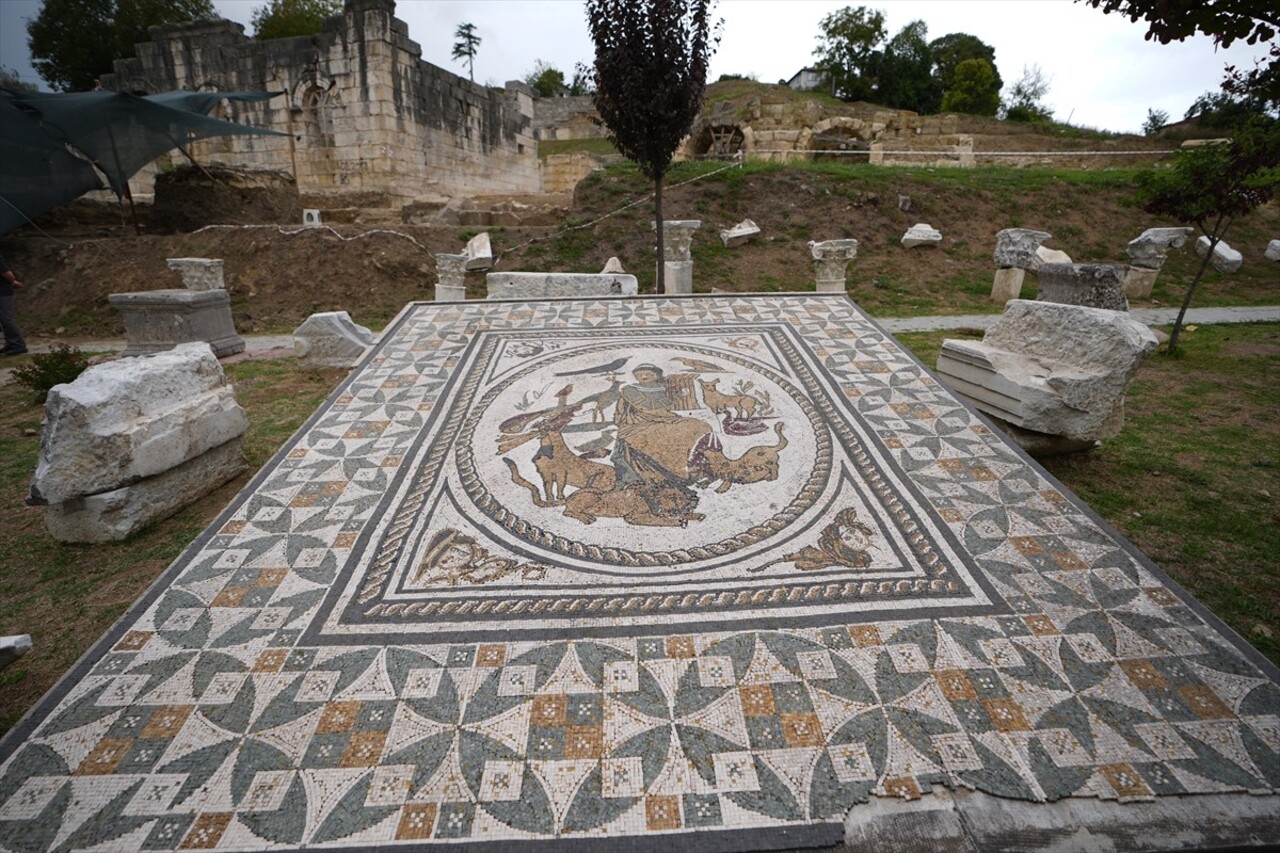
(621, 482)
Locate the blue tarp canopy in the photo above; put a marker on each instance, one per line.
(49, 141)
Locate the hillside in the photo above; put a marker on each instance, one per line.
(278, 276)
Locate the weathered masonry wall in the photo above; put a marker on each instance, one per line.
(366, 116)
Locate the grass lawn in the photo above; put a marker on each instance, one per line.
(1194, 481)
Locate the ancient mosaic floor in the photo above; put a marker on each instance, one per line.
(716, 568)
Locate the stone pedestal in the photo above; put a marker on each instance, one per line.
(1007, 285)
(830, 261)
(199, 273)
(677, 239)
(451, 277)
(159, 320)
(1138, 282)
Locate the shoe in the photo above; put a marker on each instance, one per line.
(22, 351)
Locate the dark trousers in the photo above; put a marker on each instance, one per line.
(9, 323)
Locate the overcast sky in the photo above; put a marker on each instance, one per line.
(1103, 74)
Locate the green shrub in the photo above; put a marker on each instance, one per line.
(61, 364)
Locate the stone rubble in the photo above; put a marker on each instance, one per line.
(830, 261)
(13, 647)
(739, 234)
(1045, 255)
(120, 426)
(921, 234)
(1225, 260)
(311, 217)
(479, 253)
(1090, 285)
(1273, 251)
(330, 339)
(613, 265)
(1054, 369)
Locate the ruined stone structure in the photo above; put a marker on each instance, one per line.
(366, 117)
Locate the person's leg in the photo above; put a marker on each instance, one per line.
(13, 341)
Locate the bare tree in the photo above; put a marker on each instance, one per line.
(650, 74)
(466, 45)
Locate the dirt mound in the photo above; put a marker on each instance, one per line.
(191, 197)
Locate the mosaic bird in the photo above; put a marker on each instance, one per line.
(611, 367)
(704, 366)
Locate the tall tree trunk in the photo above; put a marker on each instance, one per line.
(1214, 239)
(662, 255)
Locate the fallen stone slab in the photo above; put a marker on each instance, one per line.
(128, 419)
(1045, 255)
(1225, 260)
(1016, 248)
(1051, 368)
(921, 234)
(479, 253)
(1091, 285)
(330, 339)
(739, 234)
(199, 273)
(550, 285)
(117, 514)
(13, 647)
(1273, 251)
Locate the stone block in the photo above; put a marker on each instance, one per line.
(311, 217)
(117, 514)
(550, 285)
(1090, 285)
(124, 420)
(739, 234)
(1225, 260)
(13, 647)
(1007, 284)
(1016, 247)
(159, 320)
(1150, 248)
(1045, 255)
(678, 276)
(1051, 368)
(1273, 251)
(330, 339)
(199, 273)
(921, 234)
(612, 266)
(479, 253)
(1138, 282)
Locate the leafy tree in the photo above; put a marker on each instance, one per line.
(10, 80)
(1156, 119)
(546, 80)
(277, 19)
(849, 51)
(906, 72)
(74, 42)
(1212, 186)
(974, 89)
(651, 72)
(952, 49)
(1025, 96)
(583, 81)
(466, 46)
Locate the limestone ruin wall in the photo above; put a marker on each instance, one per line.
(366, 117)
